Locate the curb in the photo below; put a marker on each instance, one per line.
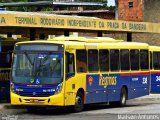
(151, 97)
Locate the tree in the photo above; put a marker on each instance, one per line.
(22, 8)
(95, 7)
(112, 8)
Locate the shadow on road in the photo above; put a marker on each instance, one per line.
(63, 110)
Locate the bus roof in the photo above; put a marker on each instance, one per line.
(86, 39)
(154, 48)
(91, 43)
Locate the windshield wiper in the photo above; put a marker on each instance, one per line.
(29, 59)
(45, 59)
(40, 64)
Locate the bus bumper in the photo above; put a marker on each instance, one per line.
(55, 100)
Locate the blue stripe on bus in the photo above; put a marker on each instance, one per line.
(34, 90)
(155, 82)
(103, 88)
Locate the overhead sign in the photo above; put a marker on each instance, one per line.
(74, 22)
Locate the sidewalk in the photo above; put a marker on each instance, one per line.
(2, 105)
(150, 97)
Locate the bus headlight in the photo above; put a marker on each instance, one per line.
(58, 89)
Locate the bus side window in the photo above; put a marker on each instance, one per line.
(93, 60)
(156, 60)
(144, 60)
(81, 61)
(70, 67)
(134, 57)
(104, 60)
(124, 58)
(114, 60)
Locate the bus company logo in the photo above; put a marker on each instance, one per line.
(107, 80)
(90, 80)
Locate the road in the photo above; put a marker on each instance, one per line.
(146, 108)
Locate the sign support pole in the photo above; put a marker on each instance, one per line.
(32, 33)
(129, 37)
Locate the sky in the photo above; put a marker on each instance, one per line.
(111, 2)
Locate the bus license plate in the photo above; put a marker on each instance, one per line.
(34, 100)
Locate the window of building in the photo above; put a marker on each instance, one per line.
(156, 60)
(104, 60)
(114, 60)
(124, 58)
(81, 60)
(144, 60)
(130, 4)
(92, 60)
(134, 57)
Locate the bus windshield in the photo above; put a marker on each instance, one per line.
(37, 68)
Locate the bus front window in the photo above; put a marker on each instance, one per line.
(37, 68)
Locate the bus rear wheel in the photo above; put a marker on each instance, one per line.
(79, 104)
(123, 98)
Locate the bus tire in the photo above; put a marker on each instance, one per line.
(123, 99)
(79, 104)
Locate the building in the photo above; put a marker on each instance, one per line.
(140, 10)
(103, 14)
(130, 10)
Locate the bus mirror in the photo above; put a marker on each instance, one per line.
(70, 58)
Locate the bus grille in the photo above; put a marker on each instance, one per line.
(38, 92)
(35, 94)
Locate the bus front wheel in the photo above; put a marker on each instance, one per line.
(79, 104)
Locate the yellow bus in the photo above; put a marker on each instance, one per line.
(76, 71)
(155, 68)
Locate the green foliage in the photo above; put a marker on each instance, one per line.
(104, 7)
(27, 9)
(112, 8)
(7, 1)
(95, 7)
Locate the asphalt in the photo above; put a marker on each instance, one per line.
(149, 98)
